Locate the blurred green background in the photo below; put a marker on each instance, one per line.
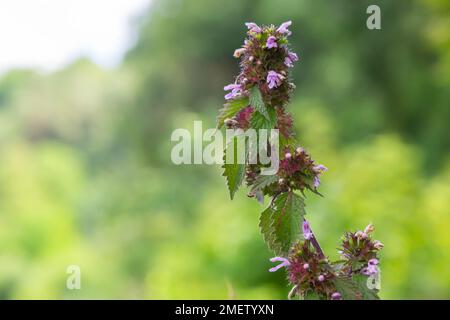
(86, 176)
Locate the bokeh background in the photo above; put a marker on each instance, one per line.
(86, 176)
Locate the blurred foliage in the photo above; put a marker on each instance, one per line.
(86, 176)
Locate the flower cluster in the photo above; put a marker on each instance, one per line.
(299, 171)
(360, 252)
(310, 272)
(265, 60)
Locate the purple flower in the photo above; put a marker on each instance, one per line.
(284, 263)
(271, 42)
(320, 168)
(290, 59)
(235, 90)
(321, 278)
(288, 62)
(253, 27)
(373, 262)
(372, 267)
(274, 79)
(284, 28)
(378, 245)
(307, 233)
(336, 296)
(316, 182)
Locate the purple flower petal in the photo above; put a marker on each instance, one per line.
(288, 62)
(293, 56)
(274, 79)
(235, 90)
(290, 59)
(232, 87)
(320, 168)
(284, 28)
(271, 42)
(253, 27)
(307, 233)
(284, 263)
(316, 182)
(373, 262)
(336, 296)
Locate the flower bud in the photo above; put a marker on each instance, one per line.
(361, 235)
(288, 155)
(238, 52)
(370, 228)
(373, 262)
(336, 296)
(378, 245)
(306, 266)
(321, 278)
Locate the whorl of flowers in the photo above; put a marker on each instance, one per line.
(311, 274)
(257, 99)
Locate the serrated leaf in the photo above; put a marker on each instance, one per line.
(280, 223)
(348, 289)
(265, 221)
(230, 109)
(259, 121)
(311, 295)
(355, 288)
(263, 181)
(257, 102)
(367, 293)
(234, 171)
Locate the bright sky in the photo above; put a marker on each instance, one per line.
(48, 34)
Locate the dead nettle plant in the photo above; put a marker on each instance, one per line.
(258, 99)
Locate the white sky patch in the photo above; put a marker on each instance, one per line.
(48, 34)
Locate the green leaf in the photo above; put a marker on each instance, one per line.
(355, 288)
(234, 172)
(265, 225)
(367, 293)
(311, 295)
(348, 289)
(257, 102)
(263, 181)
(259, 121)
(230, 109)
(280, 223)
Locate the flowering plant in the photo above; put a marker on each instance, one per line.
(257, 100)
